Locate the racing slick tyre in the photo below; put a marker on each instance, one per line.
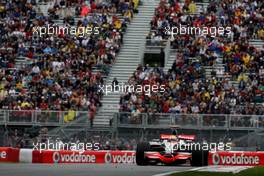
(199, 158)
(141, 160)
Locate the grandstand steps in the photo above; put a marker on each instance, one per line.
(45, 6)
(109, 100)
(200, 7)
(234, 83)
(121, 80)
(258, 43)
(139, 23)
(125, 64)
(170, 61)
(208, 71)
(22, 61)
(218, 67)
(127, 60)
(131, 41)
(125, 70)
(135, 40)
(2, 116)
(118, 74)
(131, 54)
(134, 36)
(131, 49)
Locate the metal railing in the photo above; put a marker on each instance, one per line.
(167, 52)
(190, 121)
(142, 50)
(152, 43)
(43, 118)
(135, 120)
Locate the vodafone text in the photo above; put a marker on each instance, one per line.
(111, 158)
(3, 155)
(108, 157)
(235, 159)
(74, 158)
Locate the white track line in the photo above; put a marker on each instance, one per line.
(167, 173)
(220, 168)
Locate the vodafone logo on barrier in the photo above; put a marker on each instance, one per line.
(3, 155)
(120, 158)
(73, 158)
(9, 154)
(236, 158)
(13, 155)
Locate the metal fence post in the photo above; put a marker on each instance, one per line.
(33, 118)
(200, 121)
(144, 122)
(115, 120)
(256, 122)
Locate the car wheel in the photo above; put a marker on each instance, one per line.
(199, 158)
(140, 153)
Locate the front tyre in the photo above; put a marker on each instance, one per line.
(141, 160)
(199, 158)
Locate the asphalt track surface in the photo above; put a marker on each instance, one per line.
(12, 169)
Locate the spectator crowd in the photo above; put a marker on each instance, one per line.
(56, 71)
(188, 90)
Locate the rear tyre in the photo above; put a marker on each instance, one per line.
(141, 160)
(199, 158)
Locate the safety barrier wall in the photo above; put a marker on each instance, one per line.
(8, 154)
(228, 158)
(63, 156)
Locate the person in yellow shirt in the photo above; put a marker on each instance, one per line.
(261, 34)
(92, 59)
(128, 15)
(2, 86)
(117, 24)
(3, 94)
(2, 8)
(19, 85)
(172, 84)
(242, 77)
(206, 96)
(136, 2)
(192, 7)
(246, 58)
(69, 116)
(228, 49)
(25, 104)
(238, 13)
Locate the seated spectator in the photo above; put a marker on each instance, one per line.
(56, 73)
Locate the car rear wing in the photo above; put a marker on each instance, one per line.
(181, 136)
(186, 137)
(167, 136)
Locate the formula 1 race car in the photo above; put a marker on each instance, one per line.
(167, 150)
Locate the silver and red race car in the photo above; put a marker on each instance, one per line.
(167, 150)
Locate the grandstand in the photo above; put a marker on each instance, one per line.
(49, 86)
